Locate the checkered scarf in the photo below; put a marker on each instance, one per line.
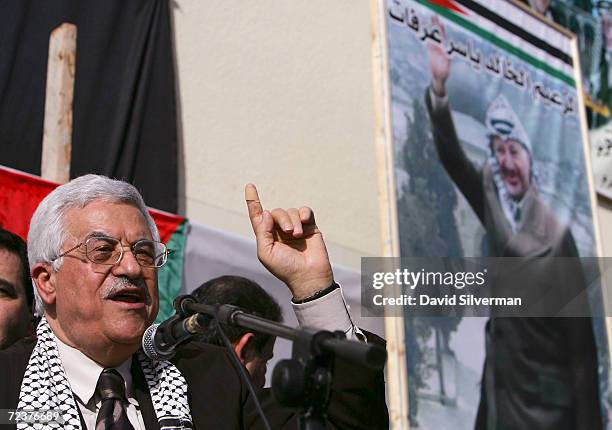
(46, 387)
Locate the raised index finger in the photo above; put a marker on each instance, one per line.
(253, 204)
(261, 221)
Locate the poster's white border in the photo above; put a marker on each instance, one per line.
(397, 377)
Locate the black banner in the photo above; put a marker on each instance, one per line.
(124, 113)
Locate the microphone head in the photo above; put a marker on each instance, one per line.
(151, 349)
(181, 304)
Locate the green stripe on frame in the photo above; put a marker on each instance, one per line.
(170, 276)
(495, 40)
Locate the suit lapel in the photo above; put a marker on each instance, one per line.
(141, 391)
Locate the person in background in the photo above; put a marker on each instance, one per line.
(540, 373)
(16, 292)
(253, 349)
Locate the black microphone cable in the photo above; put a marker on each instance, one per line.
(243, 372)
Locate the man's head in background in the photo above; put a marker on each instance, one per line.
(16, 292)
(253, 349)
(511, 148)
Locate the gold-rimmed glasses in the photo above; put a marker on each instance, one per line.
(109, 251)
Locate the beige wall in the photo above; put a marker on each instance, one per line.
(279, 93)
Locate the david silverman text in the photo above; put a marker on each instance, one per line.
(464, 300)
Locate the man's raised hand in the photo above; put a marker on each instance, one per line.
(438, 60)
(290, 246)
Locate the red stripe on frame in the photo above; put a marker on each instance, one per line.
(448, 4)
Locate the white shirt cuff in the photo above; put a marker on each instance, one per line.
(329, 312)
(437, 103)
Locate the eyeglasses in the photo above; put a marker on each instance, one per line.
(109, 251)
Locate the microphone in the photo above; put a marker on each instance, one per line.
(182, 304)
(160, 341)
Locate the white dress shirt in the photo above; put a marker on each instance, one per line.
(329, 312)
(83, 373)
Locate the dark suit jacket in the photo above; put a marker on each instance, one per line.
(218, 397)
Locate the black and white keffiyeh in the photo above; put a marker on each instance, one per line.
(45, 387)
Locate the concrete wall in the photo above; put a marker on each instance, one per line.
(279, 93)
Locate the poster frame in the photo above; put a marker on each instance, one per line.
(396, 373)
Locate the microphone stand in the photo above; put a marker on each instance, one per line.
(304, 381)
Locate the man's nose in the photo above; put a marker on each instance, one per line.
(127, 265)
(506, 162)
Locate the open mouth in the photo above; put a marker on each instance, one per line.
(511, 177)
(512, 180)
(129, 295)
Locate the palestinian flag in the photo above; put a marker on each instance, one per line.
(20, 194)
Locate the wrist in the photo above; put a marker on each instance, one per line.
(439, 88)
(304, 289)
(318, 294)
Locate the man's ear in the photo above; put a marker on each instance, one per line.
(244, 347)
(44, 278)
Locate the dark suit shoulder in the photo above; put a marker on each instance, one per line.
(196, 358)
(13, 363)
(215, 390)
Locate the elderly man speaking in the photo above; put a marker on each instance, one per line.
(94, 252)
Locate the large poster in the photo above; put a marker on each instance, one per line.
(489, 161)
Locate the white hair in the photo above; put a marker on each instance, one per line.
(48, 228)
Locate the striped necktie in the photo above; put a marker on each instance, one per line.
(112, 415)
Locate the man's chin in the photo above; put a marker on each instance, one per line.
(515, 191)
(125, 339)
(129, 333)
